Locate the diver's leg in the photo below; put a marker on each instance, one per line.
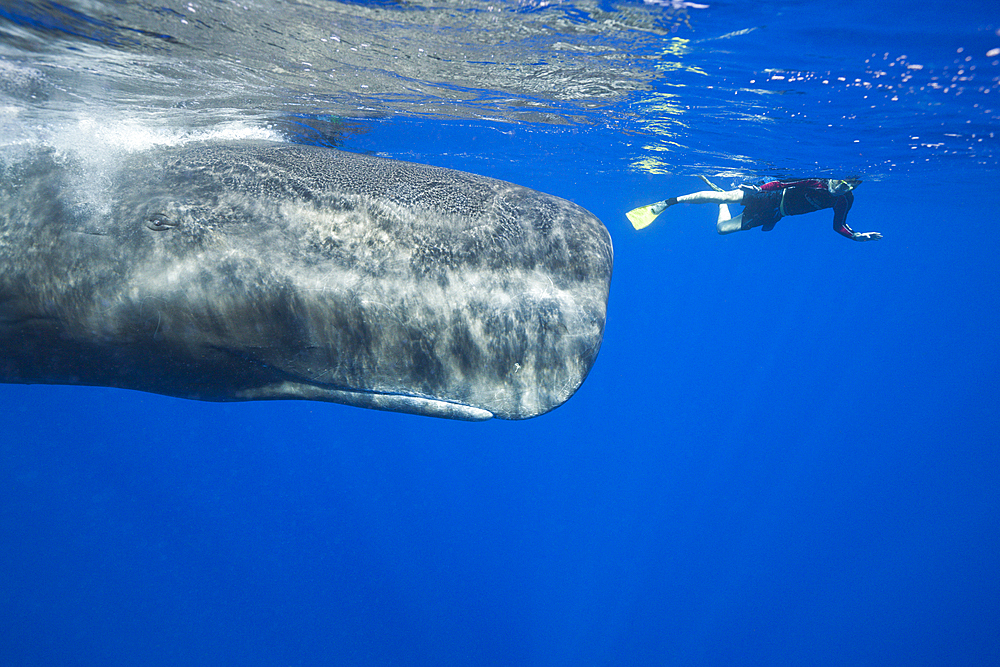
(709, 197)
(727, 225)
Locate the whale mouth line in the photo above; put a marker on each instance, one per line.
(396, 400)
(364, 398)
(293, 385)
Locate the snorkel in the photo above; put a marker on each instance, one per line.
(839, 187)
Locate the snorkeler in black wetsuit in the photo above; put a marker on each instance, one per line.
(763, 206)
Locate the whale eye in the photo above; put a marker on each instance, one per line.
(159, 222)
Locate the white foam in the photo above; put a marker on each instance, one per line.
(91, 135)
(98, 136)
(95, 141)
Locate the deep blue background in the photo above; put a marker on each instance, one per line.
(785, 454)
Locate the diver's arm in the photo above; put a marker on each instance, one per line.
(841, 206)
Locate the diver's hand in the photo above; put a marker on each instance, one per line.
(866, 236)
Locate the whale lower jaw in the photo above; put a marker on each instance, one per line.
(416, 405)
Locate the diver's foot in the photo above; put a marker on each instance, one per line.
(661, 206)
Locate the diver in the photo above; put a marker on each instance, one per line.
(764, 205)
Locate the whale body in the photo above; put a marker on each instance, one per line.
(245, 271)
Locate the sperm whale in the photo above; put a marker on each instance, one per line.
(255, 270)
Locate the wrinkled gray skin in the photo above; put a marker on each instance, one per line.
(272, 271)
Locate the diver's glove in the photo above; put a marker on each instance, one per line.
(866, 236)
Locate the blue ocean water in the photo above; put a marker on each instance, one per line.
(785, 454)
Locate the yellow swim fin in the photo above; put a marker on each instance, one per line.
(642, 216)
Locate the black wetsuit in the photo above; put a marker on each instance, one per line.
(764, 206)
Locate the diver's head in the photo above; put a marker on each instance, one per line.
(839, 187)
